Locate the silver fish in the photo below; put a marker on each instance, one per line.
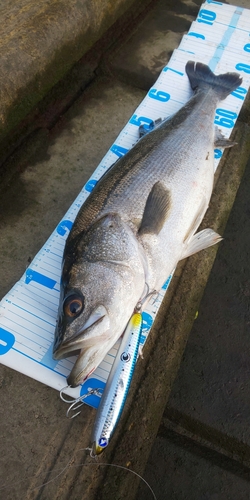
(117, 386)
(137, 223)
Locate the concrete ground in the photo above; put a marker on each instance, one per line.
(201, 442)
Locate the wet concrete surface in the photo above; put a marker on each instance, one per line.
(181, 470)
(40, 41)
(148, 49)
(202, 447)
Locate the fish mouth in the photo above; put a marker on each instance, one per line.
(82, 369)
(89, 345)
(91, 328)
(88, 359)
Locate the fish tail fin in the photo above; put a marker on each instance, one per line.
(201, 77)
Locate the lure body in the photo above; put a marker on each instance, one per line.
(117, 386)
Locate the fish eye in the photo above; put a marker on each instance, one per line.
(73, 305)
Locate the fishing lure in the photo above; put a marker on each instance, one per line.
(117, 386)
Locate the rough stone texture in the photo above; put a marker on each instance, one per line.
(144, 55)
(40, 42)
(189, 471)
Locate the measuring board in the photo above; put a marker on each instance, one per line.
(220, 37)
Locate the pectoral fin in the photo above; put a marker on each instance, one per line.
(157, 209)
(200, 241)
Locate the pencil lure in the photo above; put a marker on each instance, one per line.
(117, 386)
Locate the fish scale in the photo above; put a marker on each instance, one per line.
(144, 232)
(161, 165)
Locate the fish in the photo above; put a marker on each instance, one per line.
(117, 386)
(139, 221)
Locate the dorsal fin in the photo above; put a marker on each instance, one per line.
(156, 210)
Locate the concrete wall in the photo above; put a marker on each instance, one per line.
(40, 42)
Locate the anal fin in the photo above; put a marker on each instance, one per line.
(200, 241)
(157, 208)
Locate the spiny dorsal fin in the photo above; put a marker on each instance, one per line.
(156, 210)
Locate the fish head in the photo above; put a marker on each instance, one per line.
(102, 281)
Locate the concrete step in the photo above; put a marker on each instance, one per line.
(141, 58)
(40, 43)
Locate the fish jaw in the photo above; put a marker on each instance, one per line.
(92, 344)
(89, 359)
(94, 351)
(92, 336)
(97, 323)
(99, 334)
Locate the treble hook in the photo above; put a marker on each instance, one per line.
(139, 304)
(80, 399)
(61, 394)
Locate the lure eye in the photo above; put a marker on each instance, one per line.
(73, 305)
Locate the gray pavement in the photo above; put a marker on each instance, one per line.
(201, 450)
